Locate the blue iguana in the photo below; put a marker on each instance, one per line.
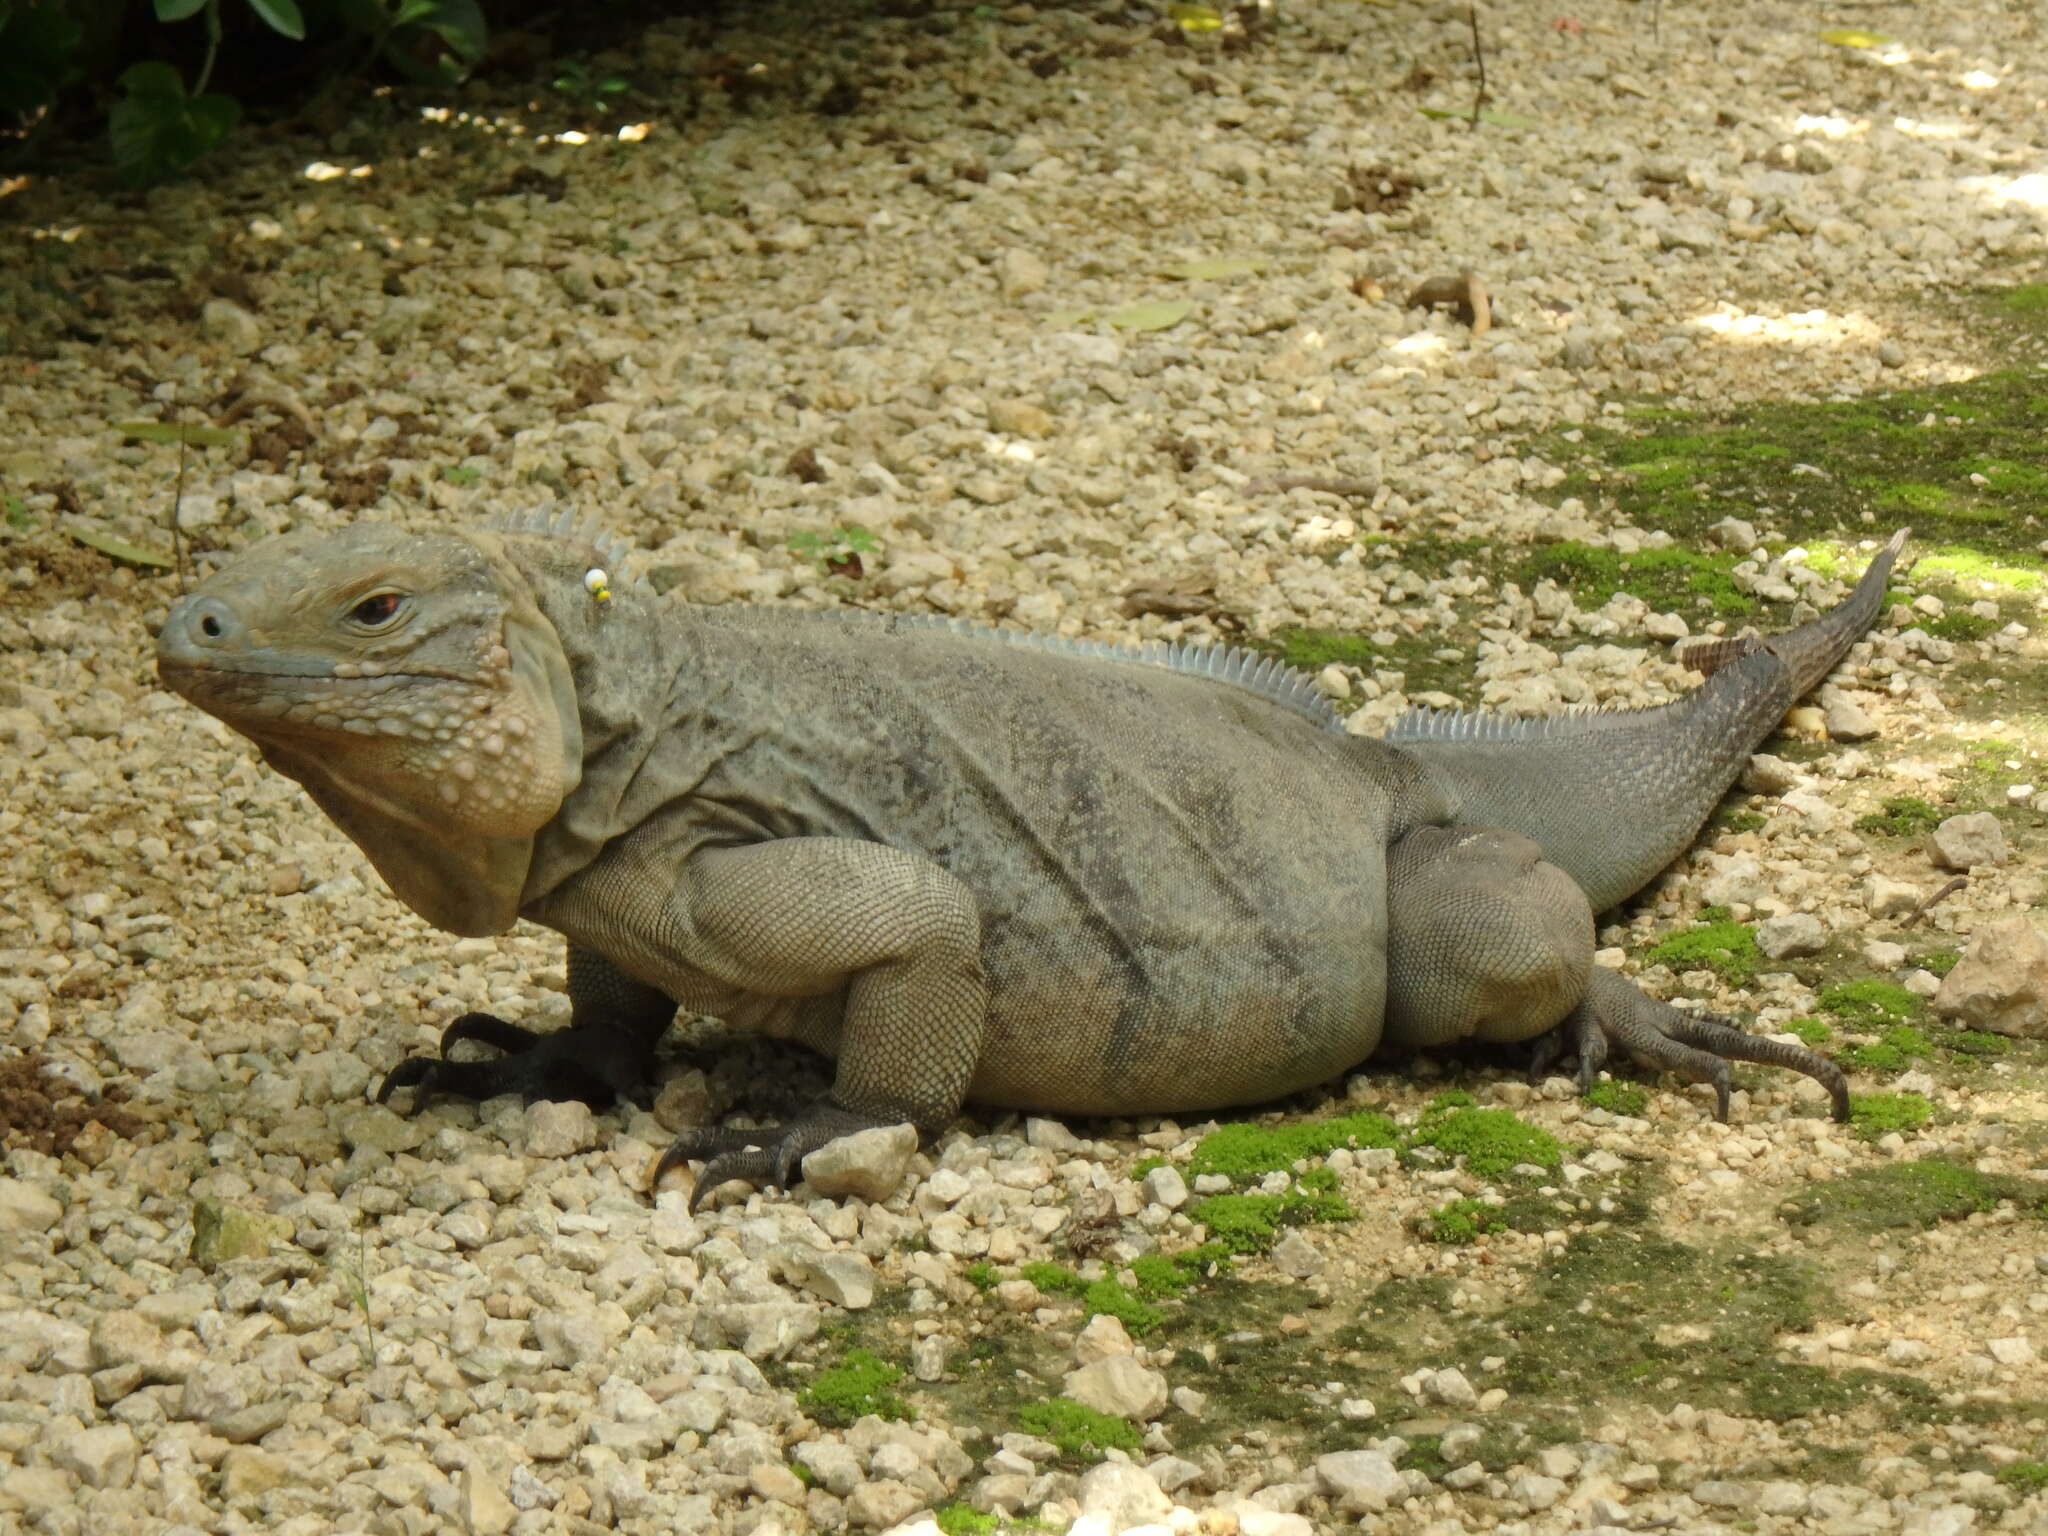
(968, 864)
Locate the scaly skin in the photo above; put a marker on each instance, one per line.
(965, 865)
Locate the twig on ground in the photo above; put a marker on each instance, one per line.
(1478, 58)
(1954, 885)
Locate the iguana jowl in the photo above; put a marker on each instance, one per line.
(967, 864)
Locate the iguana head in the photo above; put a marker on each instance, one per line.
(411, 683)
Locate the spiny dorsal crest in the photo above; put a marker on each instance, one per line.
(619, 561)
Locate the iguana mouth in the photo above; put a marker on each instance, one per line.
(333, 672)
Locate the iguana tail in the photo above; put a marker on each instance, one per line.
(1614, 796)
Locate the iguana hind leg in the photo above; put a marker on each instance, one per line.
(606, 1053)
(1488, 941)
(1485, 941)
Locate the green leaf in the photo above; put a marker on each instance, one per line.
(1191, 17)
(178, 10)
(1158, 315)
(1855, 37)
(460, 26)
(152, 80)
(40, 56)
(157, 131)
(193, 433)
(1209, 267)
(117, 549)
(280, 16)
(1060, 319)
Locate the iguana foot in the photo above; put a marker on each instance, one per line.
(1698, 1046)
(595, 1065)
(767, 1156)
(1579, 1036)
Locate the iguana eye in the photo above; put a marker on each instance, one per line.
(377, 610)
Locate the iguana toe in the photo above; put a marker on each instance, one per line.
(1698, 1046)
(768, 1156)
(593, 1065)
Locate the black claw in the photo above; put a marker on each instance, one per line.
(756, 1165)
(488, 1029)
(768, 1157)
(413, 1072)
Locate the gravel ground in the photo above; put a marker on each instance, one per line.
(876, 268)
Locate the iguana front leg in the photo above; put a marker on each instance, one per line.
(606, 1053)
(810, 917)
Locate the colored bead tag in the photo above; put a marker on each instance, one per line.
(597, 584)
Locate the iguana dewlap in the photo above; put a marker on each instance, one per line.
(967, 864)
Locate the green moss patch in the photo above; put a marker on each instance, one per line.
(1961, 626)
(1879, 1114)
(1910, 453)
(1619, 1098)
(1663, 578)
(1311, 650)
(1491, 1141)
(1460, 1222)
(1893, 1051)
(1812, 1031)
(859, 1385)
(965, 1520)
(1252, 1223)
(1902, 816)
(1728, 949)
(1157, 1275)
(2026, 1476)
(1244, 1150)
(1081, 1433)
(1913, 1194)
(1870, 1004)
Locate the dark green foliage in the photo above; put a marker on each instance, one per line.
(2026, 1476)
(158, 131)
(981, 1275)
(857, 1386)
(158, 126)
